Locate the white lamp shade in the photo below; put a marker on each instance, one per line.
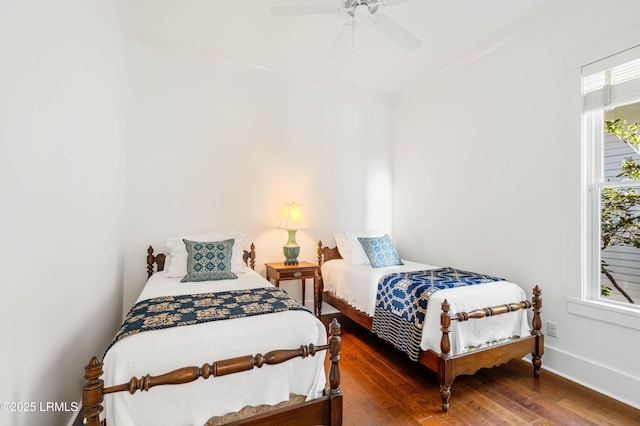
(292, 217)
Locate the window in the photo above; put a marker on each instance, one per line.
(611, 140)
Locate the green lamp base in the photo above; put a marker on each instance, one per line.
(291, 250)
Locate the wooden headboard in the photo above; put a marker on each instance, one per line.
(326, 253)
(248, 256)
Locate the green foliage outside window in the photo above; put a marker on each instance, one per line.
(620, 217)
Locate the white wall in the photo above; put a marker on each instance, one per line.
(62, 99)
(486, 177)
(219, 147)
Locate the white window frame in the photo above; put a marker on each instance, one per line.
(594, 145)
(581, 299)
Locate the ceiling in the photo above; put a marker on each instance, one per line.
(246, 33)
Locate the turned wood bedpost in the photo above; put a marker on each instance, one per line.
(445, 348)
(536, 323)
(334, 356)
(320, 288)
(536, 326)
(150, 260)
(334, 373)
(445, 327)
(319, 251)
(252, 256)
(158, 260)
(92, 392)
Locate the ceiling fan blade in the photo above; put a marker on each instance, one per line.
(393, 2)
(397, 33)
(341, 41)
(317, 9)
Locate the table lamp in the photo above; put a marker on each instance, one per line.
(292, 219)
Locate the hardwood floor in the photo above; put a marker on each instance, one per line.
(382, 387)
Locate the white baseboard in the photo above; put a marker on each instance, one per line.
(602, 379)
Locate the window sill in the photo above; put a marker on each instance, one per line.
(608, 312)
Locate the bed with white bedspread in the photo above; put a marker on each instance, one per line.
(465, 328)
(214, 348)
(202, 343)
(357, 285)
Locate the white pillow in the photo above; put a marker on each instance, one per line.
(351, 249)
(343, 245)
(178, 251)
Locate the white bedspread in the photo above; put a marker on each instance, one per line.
(358, 284)
(160, 351)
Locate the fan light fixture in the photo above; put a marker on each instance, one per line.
(361, 11)
(357, 11)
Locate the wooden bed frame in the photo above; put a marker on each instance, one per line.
(326, 410)
(448, 366)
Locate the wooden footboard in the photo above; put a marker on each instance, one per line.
(326, 410)
(447, 366)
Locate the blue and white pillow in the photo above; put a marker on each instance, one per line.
(380, 251)
(208, 261)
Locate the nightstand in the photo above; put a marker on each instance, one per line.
(302, 271)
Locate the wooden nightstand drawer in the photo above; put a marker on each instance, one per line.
(295, 274)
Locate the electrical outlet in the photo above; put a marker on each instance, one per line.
(552, 329)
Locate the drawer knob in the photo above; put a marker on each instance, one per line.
(297, 274)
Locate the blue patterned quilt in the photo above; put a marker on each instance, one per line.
(174, 311)
(401, 303)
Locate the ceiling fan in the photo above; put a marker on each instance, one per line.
(358, 11)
